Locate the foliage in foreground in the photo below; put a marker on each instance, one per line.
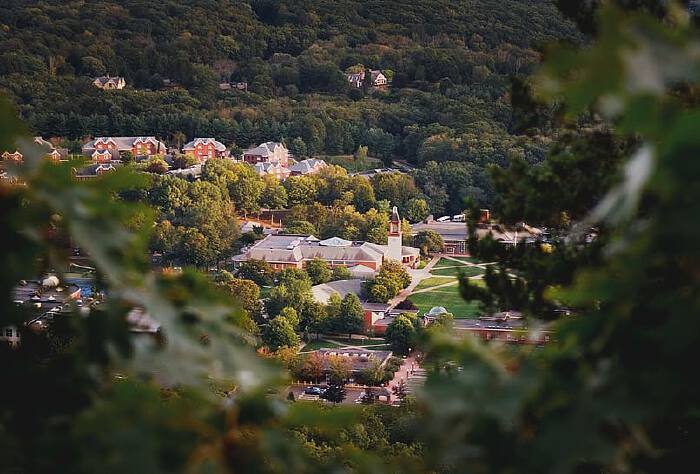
(616, 392)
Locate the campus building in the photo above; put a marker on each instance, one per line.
(294, 251)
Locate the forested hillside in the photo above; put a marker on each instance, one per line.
(451, 62)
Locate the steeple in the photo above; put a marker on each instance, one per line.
(395, 223)
(394, 236)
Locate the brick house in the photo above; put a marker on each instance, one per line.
(53, 153)
(112, 147)
(268, 152)
(204, 148)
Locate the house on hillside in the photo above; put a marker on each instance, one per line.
(377, 79)
(109, 82)
(268, 152)
(239, 86)
(275, 169)
(94, 170)
(52, 153)
(203, 149)
(355, 79)
(103, 149)
(308, 166)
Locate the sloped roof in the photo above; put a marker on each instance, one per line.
(383, 249)
(264, 149)
(335, 242)
(125, 143)
(204, 141)
(306, 166)
(105, 79)
(359, 268)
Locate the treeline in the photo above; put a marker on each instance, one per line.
(451, 64)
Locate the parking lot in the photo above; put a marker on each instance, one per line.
(351, 393)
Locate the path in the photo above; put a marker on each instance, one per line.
(416, 277)
(404, 372)
(338, 344)
(454, 282)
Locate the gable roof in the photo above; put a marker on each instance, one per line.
(125, 143)
(307, 166)
(204, 141)
(264, 149)
(105, 79)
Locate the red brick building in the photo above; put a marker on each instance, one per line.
(115, 146)
(203, 149)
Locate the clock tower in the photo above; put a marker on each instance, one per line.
(395, 243)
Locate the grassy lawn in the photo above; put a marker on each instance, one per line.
(316, 345)
(455, 271)
(447, 262)
(448, 297)
(349, 163)
(434, 281)
(379, 347)
(358, 342)
(468, 259)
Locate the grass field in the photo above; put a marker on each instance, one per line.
(455, 271)
(379, 347)
(349, 163)
(448, 297)
(434, 281)
(449, 262)
(358, 342)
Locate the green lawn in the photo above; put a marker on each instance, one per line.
(455, 271)
(434, 281)
(448, 297)
(316, 345)
(468, 259)
(349, 163)
(379, 347)
(448, 262)
(358, 342)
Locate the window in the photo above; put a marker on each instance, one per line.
(8, 332)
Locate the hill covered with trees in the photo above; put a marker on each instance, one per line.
(451, 64)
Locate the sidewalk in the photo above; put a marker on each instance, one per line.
(409, 365)
(416, 277)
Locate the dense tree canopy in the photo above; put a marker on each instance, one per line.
(448, 99)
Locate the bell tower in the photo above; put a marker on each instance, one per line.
(394, 236)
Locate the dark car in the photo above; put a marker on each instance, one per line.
(314, 391)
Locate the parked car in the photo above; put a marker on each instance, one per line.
(314, 391)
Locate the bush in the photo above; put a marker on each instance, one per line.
(340, 273)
